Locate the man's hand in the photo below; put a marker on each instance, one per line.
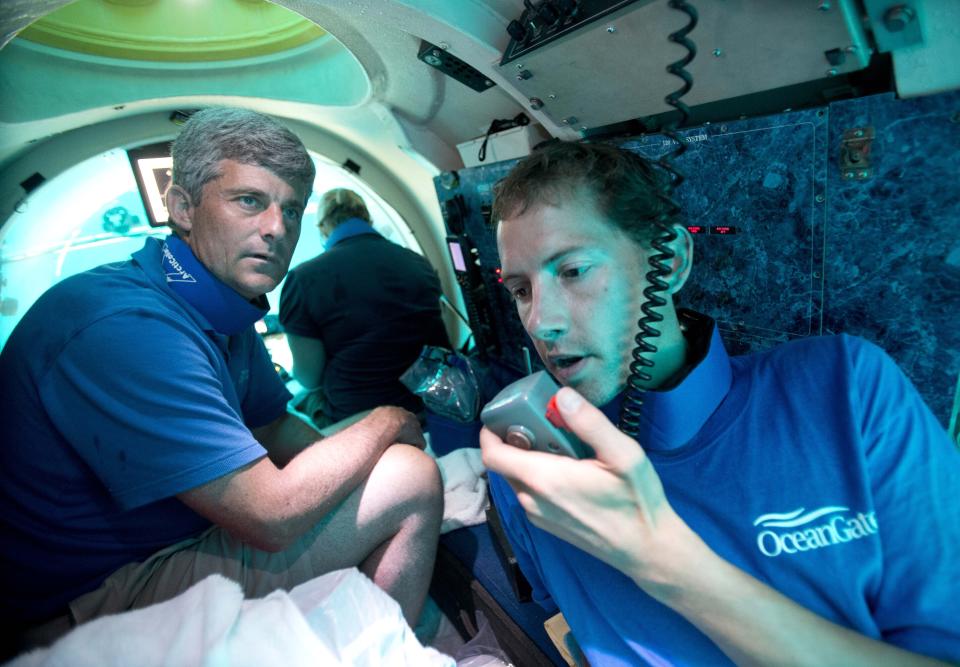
(405, 424)
(613, 507)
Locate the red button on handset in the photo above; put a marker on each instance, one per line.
(553, 414)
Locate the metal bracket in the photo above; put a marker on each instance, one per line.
(856, 160)
(896, 25)
(439, 58)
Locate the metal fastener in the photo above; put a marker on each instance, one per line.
(536, 103)
(611, 29)
(896, 18)
(718, 52)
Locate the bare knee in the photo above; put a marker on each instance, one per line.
(412, 475)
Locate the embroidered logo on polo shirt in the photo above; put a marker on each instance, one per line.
(174, 270)
(799, 530)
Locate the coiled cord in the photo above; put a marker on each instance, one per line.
(659, 260)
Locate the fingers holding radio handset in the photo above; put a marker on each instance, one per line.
(611, 506)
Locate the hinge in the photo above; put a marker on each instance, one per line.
(856, 160)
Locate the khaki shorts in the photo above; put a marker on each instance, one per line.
(173, 570)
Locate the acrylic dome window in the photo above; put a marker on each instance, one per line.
(105, 55)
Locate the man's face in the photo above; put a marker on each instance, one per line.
(246, 227)
(578, 284)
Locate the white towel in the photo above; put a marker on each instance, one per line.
(341, 618)
(464, 489)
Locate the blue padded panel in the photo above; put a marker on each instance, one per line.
(760, 178)
(892, 250)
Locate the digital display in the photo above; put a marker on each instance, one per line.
(153, 169)
(456, 253)
(156, 173)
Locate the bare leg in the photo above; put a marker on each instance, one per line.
(388, 527)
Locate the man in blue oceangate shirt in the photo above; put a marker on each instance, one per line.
(794, 506)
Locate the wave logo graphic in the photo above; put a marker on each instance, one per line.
(799, 531)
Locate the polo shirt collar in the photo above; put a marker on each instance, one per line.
(670, 418)
(347, 229)
(226, 312)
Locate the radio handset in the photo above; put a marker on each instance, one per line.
(524, 414)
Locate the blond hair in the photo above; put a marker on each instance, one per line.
(341, 204)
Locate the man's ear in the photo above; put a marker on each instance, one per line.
(682, 261)
(180, 210)
(324, 227)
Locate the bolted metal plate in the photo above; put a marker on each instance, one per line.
(614, 69)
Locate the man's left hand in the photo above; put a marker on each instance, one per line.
(613, 507)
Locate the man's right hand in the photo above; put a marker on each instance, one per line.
(408, 431)
(269, 506)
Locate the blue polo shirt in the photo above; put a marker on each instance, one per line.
(347, 230)
(122, 387)
(815, 467)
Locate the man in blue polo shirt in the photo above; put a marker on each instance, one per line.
(146, 440)
(358, 315)
(795, 506)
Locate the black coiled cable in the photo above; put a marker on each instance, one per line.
(659, 260)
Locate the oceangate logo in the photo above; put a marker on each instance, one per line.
(832, 525)
(174, 270)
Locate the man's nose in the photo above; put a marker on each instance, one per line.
(547, 318)
(271, 222)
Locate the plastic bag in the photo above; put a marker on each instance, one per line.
(446, 383)
(483, 649)
(360, 624)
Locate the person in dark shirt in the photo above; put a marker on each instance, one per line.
(358, 315)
